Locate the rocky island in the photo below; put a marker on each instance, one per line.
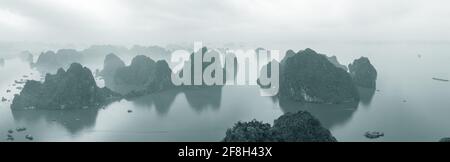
(291, 127)
(71, 89)
(363, 73)
(144, 74)
(2, 62)
(139, 72)
(331, 59)
(212, 67)
(26, 56)
(310, 77)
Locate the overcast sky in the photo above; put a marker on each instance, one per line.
(172, 21)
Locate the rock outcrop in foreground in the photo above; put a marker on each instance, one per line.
(310, 77)
(291, 127)
(331, 59)
(363, 73)
(71, 89)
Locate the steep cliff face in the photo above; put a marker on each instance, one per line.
(291, 127)
(310, 77)
(145, 74)
(71, 89)
(335, 62)
(363, 73)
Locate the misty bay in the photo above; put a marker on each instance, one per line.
(407, 105)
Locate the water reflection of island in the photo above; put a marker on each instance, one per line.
(199, 98)
(73, 120)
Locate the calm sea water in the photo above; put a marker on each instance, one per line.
(409, 105)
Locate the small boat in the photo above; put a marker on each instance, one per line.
(21, 129)
(374, 135)
(439, 79)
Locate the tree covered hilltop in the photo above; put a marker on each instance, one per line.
(290, 127)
